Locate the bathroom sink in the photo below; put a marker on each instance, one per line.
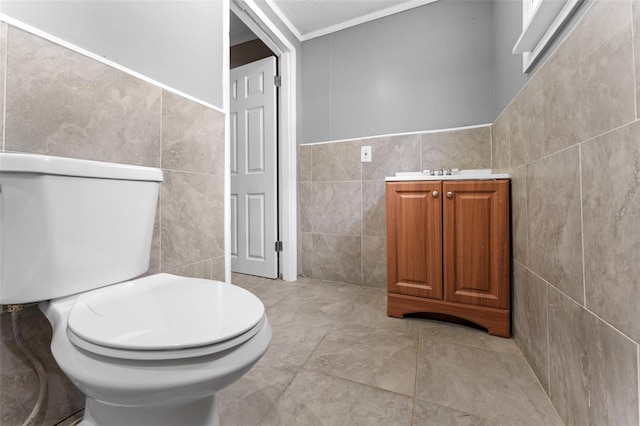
(453, 174)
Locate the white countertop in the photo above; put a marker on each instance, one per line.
(470, 174)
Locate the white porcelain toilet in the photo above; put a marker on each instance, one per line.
(149, 351)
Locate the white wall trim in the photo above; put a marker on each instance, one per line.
(284, 19)
(258, 22)
(530, 57)
(347, 24)
(367, 18)
(226, 61)
(35, 31)
(422, 132)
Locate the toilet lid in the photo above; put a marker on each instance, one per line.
(164, 312)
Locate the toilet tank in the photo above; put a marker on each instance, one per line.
(70, 225)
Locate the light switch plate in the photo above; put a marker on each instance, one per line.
(365, 154)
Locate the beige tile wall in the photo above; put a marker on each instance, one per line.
(61, 103)
(342, 201)
(571, 140)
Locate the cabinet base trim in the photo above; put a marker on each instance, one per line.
(496, 321)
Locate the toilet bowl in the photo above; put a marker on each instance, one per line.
(144, 351)
(154, 351)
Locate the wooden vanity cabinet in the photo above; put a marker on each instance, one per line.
(448, 250)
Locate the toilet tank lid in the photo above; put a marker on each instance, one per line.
(62, 166)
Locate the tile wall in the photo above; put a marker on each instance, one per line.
(61, 103)
(571, 140)
(342, 201)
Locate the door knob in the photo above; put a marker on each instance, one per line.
(449, 194)
(434, 193)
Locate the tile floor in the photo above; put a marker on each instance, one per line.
(337, 359)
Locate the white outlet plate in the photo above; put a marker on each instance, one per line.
(365, 154)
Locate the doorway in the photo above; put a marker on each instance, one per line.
(259, 24)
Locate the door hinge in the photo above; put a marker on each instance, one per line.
(278, 245)
(277, 80)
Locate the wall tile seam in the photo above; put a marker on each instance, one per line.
(547, 156)
(374, 236)
(338, 235)
(184, 265)
(546, 292)
(191, 172)
(584, 273)
(577, 144)
(194, 263)
(526, 212)
(333, 181)
(633, 60)
(548, 336)
(580, 305)
(491, 164)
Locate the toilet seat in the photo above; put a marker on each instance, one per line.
(164, 317)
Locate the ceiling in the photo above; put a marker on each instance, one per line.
(313, 18)
(308, 19)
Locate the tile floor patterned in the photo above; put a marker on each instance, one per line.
(337, 359)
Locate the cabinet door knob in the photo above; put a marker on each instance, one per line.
(449, 194)
(434, 193)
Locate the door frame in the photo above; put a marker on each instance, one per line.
(266, 30)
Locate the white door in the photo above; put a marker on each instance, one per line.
(253, 169)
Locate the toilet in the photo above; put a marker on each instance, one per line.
(74, 237)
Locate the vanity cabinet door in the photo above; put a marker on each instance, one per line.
(476, 242)
(414, 238)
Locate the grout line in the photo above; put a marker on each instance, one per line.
(546, 295)
(284, 390)
(633, 55)
(584, 277)
(579, 304)
(589, 139)
(420, 153)
(415, 386)
(493, 167)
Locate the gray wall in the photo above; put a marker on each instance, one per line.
(427, 68)
(509, 78)
(177, 43)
